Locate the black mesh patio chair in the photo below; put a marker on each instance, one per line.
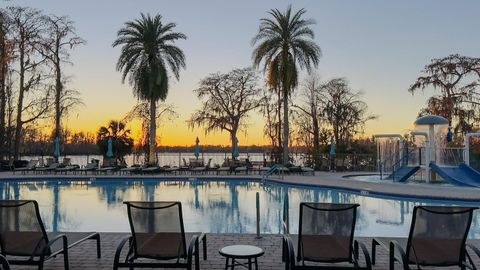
(158, 233)
(437, 238)
(4, 265)
(325, 239)
(22, 234)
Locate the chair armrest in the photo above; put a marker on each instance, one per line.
(477, 252)
(285, 228)
(366, 255)
(52, 241)
(191, 249)
(4, 263)
(290, 258)
(116, 259)
(395, 246)
(474, 248)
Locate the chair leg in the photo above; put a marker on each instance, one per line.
(99, 248)
(65, 259)
(355, 250)
(205, 247)
(189, 265)
(374, 251)
(197, 256)
(391, 260)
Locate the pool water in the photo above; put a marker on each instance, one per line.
(216, 206)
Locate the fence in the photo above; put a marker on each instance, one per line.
(342, 162)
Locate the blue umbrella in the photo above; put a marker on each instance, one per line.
(235, 148)
(197, 148)
(56, 152)
(332, 147)
(110, 148)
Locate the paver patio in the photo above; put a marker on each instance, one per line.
(84, 257)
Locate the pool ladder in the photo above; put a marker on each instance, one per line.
(275, 168)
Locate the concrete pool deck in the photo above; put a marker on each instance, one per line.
(84, 257)
(321, 179)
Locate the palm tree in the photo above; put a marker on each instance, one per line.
(284, 44)
(148, 55)
(120, 135)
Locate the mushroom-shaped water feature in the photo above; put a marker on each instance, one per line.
(431, 121)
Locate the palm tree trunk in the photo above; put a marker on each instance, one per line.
(316, 141)
(279, 127)
(285, 127)
(153, 133)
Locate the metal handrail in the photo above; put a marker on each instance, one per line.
(400, 161)
(273, 169)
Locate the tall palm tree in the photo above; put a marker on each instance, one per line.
(148, 55)
(285, 44)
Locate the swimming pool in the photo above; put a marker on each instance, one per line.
(216, 206)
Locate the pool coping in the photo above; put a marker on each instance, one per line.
(324, 180)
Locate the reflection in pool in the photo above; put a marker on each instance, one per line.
(226, 206)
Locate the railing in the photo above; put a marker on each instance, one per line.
(275, 168)
(449, 156)
(321, 162)
(404, 160)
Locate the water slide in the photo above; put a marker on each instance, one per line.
(403, 173)
(462, 175)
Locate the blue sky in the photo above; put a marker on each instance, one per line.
(380, 46)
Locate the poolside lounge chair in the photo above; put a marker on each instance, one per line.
(32, 164)
(66, 169)
(171, 170)
(48, 161)
(66, 161)
(295, 169)
(4, 265)
(201, 169)
(106, 170)
(325, 235)
(225, 169)
(152, 170)
(90, 167)
(437, 238)
(307, 170)
(51, 168)
(242, 169)
(158, 233)
(22, 234)
(131, 169)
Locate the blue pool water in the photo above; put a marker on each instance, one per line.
(225, 206)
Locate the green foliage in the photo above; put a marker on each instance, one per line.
(121, 141)
(285, 45)
(283, 42)
(147, 53)
(457, 79)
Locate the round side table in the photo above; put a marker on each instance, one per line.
(245, 252)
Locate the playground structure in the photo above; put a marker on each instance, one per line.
(426, 155)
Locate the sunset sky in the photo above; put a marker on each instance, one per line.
(380, 46)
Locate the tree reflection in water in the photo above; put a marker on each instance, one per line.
(211, 206)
